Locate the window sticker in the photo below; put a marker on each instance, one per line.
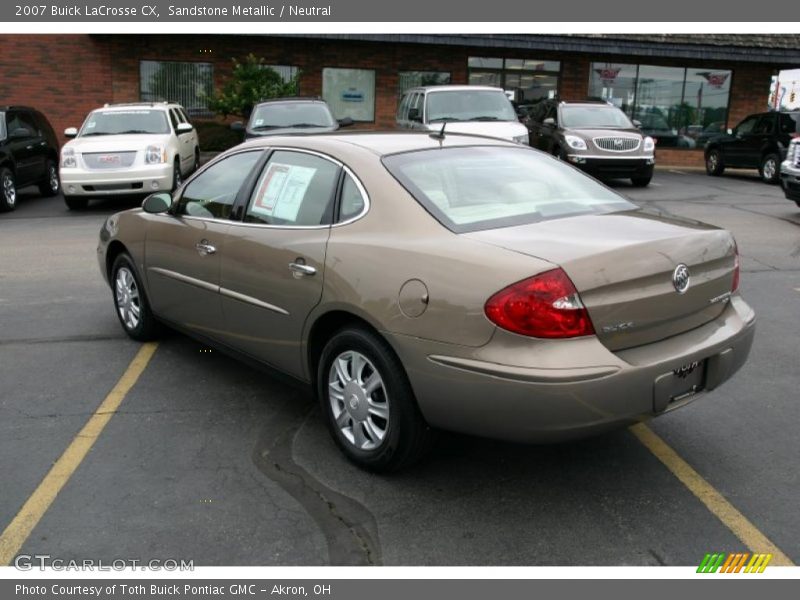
(281, 191)
(91, 125)
(259, 122)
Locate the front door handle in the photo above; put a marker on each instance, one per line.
(204, 248)
(300, 268)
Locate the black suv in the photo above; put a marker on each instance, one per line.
(759, 142)
(28, 154)
(290, 115)
(594, 136)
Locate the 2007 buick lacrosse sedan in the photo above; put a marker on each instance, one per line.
(421, 281)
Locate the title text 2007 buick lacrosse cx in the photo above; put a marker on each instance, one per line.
(422, 282)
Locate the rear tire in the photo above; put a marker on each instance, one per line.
(8, 190)
(368, 402)
(130, 301)
(76, 202)
(770, 168)
(714, 164)
(50, 185)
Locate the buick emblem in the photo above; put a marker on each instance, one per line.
(680, 278)
(618, 143)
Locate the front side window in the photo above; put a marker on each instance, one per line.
(480, 187)
(469, 105)
(295, 189)
(746, 127)
(2, 126)
(117, 122)
(277, 115)
(211, 194)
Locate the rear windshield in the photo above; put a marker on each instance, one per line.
(486, 187)
(594, 116)
(116, 122)
(301, 114)
(469, 105)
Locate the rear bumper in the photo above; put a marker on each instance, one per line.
(524, 390)
(118, 182)
(790, 181)
(613, 167)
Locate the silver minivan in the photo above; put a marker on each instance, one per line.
(461, 109)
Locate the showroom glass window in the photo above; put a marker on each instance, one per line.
(409, 79)
(190, 84)
(350, 93)
(529, 79)
(680, 107)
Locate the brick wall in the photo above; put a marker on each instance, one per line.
(64, 76)
(67, 75)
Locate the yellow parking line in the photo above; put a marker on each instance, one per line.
(37, 504)
(741, 527)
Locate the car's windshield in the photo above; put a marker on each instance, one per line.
(469, 105)
(115, 122)
(485, 187)
(285, 114)
(594, 116)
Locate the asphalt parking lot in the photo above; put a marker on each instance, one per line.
(211, 461)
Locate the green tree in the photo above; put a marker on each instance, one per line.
(251, 82)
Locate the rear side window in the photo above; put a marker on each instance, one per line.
(351, 201)
(790, 123)
(294, 190)
(485, 187)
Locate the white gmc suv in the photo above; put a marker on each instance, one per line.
(128, 149)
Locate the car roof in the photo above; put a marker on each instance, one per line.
(130, 105)
(455, 88)
(377, 143)
(291, 99)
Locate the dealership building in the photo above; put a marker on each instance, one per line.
(682, 88)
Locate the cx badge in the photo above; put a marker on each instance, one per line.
(680, 278)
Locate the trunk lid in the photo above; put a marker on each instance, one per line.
(623, 264)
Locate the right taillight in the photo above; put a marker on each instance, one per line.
(544, 306)
(735, 284)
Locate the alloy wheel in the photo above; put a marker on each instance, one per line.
(52, 179)
(126, 293)
(358, 400)
(9, 191)
(769, 169)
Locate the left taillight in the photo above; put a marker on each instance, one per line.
(544, 306)
(735, 284)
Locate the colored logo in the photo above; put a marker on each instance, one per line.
(734, 563)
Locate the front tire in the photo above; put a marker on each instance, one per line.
(130, 301)
(177, 177)
(76, 202)
(368, 402)
(8, 190)
(770, 168)
(643, 181)
(50, 185)
(714, 164)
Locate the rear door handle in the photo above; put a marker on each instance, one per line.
(204, 248)
(299, 269)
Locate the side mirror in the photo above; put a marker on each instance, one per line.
(184, 128)
(157, 203)
(550, 121)
(637, 123)
(346, 122)
(413, 115)
(19, 133)
(71, 132)
(237, 126)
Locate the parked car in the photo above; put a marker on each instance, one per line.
(790, 172)
(28, 154)
(759, 142)
(420, 282)
(290, 115)
(594, 136)
(472, 109)
(128, 150)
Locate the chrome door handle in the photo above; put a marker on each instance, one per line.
(300, 269)
(204, 248)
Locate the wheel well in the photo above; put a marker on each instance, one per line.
(115, 248)
(9, 164)
(323, 329)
